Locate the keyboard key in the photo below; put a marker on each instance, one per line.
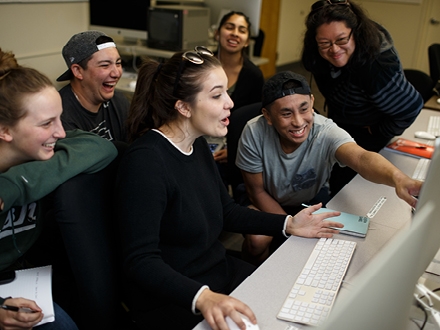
(421, 169)
(314, 292)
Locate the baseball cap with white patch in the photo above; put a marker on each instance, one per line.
(81, 46)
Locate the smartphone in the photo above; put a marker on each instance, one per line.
(7, 276)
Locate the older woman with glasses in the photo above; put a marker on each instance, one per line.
(173, 205)
(358, 71)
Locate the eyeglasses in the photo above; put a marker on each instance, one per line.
(339, 42)
(322, 3)
(193, 56)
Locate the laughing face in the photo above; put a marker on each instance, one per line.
(292, 117)
(103, 72)
(338, 55)
(35, 135)
(234, 34)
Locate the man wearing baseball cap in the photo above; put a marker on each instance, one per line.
(286, 156)
(90, 101)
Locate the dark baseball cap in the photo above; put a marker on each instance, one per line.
(274, 88)
(81, 46)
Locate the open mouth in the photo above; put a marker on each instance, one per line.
(225, 121)
(298, 133)
(109, 85)
(49, 145)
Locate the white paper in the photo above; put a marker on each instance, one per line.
(33, 284)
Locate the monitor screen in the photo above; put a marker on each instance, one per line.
(251, 8)
(177, 27)
(127, 20)
(164, 26)
(381, 295)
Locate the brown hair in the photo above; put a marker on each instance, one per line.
(15, 82)
(157, 91)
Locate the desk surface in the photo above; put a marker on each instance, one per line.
(432, 103)
(265, 290)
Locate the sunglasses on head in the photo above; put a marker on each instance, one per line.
(193, 56)
(322, 3)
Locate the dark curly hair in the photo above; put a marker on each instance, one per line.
(365, 31)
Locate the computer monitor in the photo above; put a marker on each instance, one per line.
(251, 8)
(381, 296)
(178, 27)
(127, 20)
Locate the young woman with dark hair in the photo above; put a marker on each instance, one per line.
(173, 204)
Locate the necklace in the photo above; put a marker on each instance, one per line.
(77, 97)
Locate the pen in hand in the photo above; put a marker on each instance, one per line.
(18, 309)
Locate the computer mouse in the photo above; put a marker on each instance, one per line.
(233, 326)
(424, 135)
(132, 84)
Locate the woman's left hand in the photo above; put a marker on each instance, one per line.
(307, 224)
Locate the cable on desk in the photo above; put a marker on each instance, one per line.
(424, 307)
(420, 306)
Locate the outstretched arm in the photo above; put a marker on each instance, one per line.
(307, 224)
(78, 152)
(215, 307)
(376, 168)
(303, 223)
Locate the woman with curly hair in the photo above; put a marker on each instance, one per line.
(358, 71)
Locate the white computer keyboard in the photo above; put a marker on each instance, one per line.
(313, 294)
(421, 169)
(434, 125)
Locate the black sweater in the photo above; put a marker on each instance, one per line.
(172, 209)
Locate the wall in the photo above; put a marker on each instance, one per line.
(291, 29)
(269, 17)
(37, 32)
(404, 21)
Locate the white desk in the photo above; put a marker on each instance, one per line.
(265, 290)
